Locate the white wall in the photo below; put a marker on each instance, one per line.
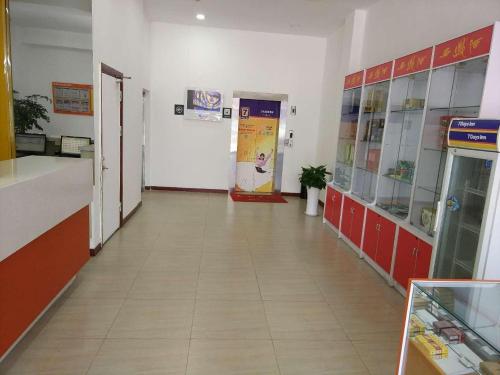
(391, 29)
(395, 28)
(195, 154)
(43, 56)
(121, 40)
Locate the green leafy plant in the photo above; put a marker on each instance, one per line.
(314, 177)
(28, 112)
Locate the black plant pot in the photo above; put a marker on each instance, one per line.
(303, 192)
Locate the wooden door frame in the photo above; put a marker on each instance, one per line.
(107, 70)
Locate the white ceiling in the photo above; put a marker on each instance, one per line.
(66, 15)
(303, 17)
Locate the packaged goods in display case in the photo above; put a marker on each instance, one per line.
(400, 149)
(372, 126)
(456, 90)
(467, 341)
(348, 130)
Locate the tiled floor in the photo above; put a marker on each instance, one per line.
(196, 284)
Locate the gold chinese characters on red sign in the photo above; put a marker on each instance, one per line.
(413, 63)
(353, 80)
(465, 47)
(379, 73)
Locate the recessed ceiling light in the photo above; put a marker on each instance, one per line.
(200, 16)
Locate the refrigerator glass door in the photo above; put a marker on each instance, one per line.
(462, 218)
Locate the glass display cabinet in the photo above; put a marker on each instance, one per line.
(348, 129)
(371, 131)
(402, 133)
(451, 328)
(456, 90)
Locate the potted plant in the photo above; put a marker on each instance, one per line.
(314, 178)
(28, 112)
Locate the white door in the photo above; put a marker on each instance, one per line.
(110, 132)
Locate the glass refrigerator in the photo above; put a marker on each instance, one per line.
(467, 243)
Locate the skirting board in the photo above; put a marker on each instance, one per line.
(199, 190)
(98, 248)
(131, 213)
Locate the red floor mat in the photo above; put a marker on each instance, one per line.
(268, 198)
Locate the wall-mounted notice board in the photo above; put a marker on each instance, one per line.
(72, 99)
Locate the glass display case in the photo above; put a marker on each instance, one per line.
(451, 328)
(347, 138)
(369, 141)
(455, 91)
(401, 139)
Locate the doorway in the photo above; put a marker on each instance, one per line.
(111, 151)
(257, 142)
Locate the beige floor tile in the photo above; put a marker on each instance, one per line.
(230, 320)
(164, 319)
(380, 356)
(83, 318)
(289, 287)
(303, 321)
(53, 357)
(318, 358)
(102, 286)
(131, 357)
(231, 357)
(241, 286)
(164, 285)
(223, 262)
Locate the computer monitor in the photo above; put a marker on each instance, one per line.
(32, 144)
(70, 146)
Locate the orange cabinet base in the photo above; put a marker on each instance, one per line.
(33, 276)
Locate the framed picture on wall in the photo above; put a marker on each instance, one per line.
(203, 104)
(72, 99)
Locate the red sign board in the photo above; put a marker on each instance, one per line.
(465, 47)
(413, 63)
(353, 80)
(378, 73)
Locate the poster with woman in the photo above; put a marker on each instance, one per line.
(257, 139)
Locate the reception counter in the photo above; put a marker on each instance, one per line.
(44, 236)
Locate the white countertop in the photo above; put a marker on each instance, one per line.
(36, 194)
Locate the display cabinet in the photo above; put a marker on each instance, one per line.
(333, 206)
(402, 133)
(451, 328)
(371, 131)
(467, 235)
(348, 129)
(456, 90)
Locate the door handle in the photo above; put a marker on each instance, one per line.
(104, 168)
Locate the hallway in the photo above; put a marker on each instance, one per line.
(196, 284)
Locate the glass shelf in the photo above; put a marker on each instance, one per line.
(455, 91)
(401, 141)
(414, 110)
(369, 141)
(461, 317)
(347, 138)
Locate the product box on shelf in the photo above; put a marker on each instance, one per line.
(373, 159)
(414, 103)
(432, 345)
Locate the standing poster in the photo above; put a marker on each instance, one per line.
(203, 105)
(258, 128)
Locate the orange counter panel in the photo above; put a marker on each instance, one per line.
(31, 277)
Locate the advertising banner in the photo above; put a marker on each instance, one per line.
(475, 134)
(353, 80)
(378, 73)
(257, 139)
(465, 47)
(414, 63)
(203, 105)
